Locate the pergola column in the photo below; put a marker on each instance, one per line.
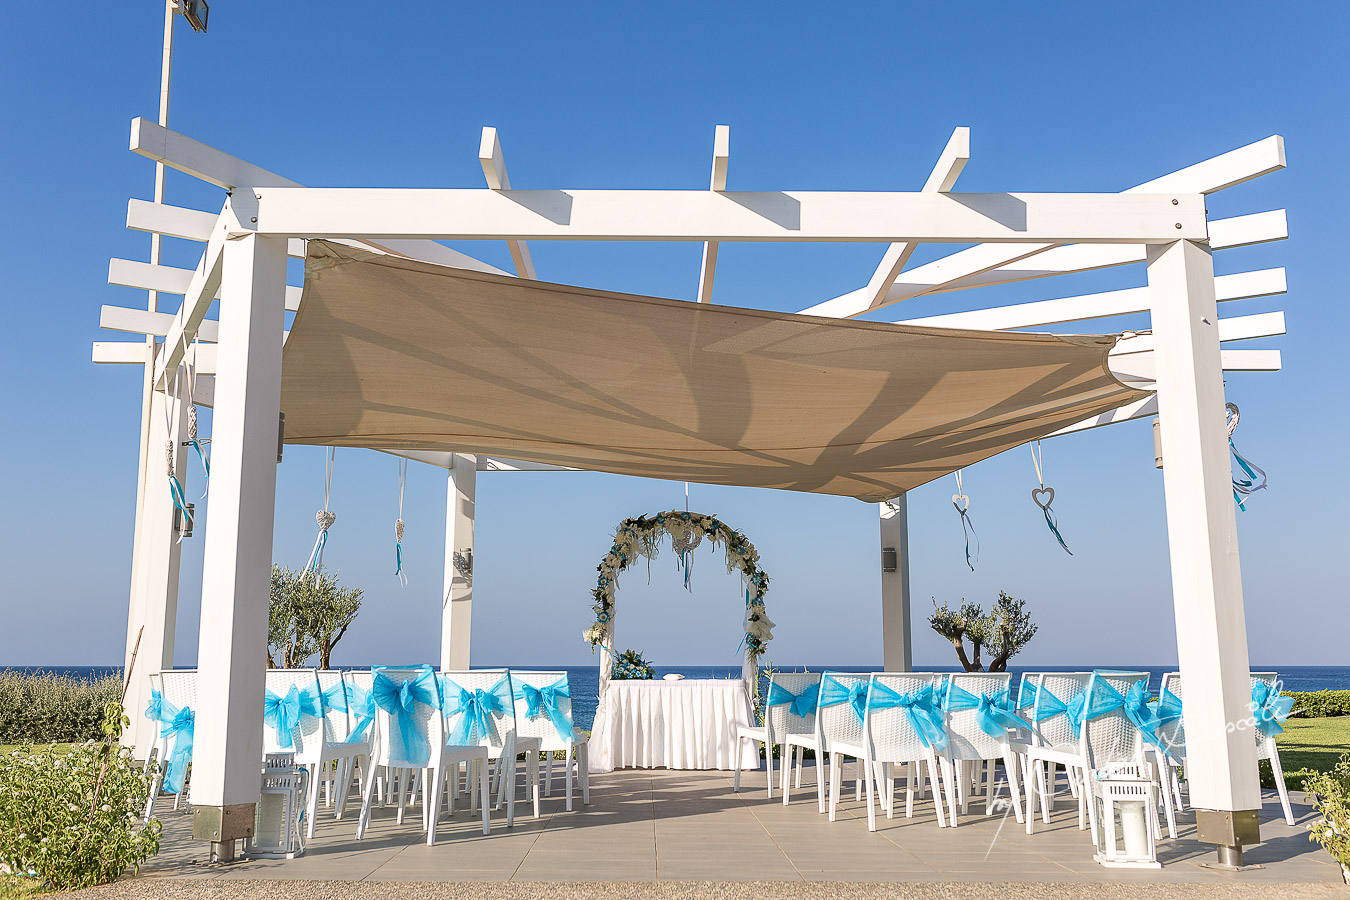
(457, 602)
(232, 659)
(896, 652)
(156, 553)
(1202, 538)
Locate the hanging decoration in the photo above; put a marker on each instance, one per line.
(962, 504)
(1048, 493)
(1256, 476)
(398, 523)
(641, 537)
(684, 540)
(192, 438)
(323, 517)
(171, 400)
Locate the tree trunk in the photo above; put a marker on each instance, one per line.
(324, 651)
(975, 665)
(1000, 663)
(961, 654)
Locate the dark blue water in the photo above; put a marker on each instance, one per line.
(585, 680)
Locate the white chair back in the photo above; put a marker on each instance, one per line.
(890, 733)
(501, 726)
(307, 735)
(838, 722)
(1264, 742)
(779, 719)
(1111, 737)
(541, 725)
(1056, 730)
(388, 747)
(965, 738)
(1173, 733)
(337, 717)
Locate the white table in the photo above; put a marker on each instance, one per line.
(685, 724)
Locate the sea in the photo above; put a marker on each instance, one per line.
(585, 680)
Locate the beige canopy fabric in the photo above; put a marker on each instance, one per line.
(388, 353)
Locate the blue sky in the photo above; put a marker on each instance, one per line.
(1071, 97)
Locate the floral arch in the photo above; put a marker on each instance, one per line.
(641, 538)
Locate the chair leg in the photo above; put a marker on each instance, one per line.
(911, 777)
(312, 807)
(1031, 775)
(768, 765)
(1014, 785)
(532, 772)
(932, 763)
(950, 775)
(1283, 789)
(836, 775)
(1164, 786)
(857, 780)
(431, 800)
(736, 764)
(483, 795)
(801, 759)
(584, 772)
(868, 769)
(785, 771)
(988, 787)
(548, 775)
(367, 792)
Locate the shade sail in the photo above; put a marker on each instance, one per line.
(389, 353)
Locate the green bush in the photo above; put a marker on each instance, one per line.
(1319, 704)
(46, 708)
(72, 817)
(1332, 790)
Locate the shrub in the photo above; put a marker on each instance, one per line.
(1319, 704)
(71, 817)
(1332, 790)
(47, 708)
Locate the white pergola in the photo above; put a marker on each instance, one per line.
(238, 359)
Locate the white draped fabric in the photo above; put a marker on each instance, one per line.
(687, 724)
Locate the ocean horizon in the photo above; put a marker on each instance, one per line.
(585, 680)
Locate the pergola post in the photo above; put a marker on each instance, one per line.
(231, 661)
(154, 591)
(457, 604)
(896, 652)
(1202, 538)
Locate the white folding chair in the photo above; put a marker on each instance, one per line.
(473, 717)
(790, 721)
(975, 705)
(840, 710)
(901, 724)
(178, 690)
(1051, 741)
(549, 696)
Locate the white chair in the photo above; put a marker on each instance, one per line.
(1051, 741)
(1107, 733)
(338, 744)
(840, 710)
(411, 737)
(154, 711)
(901, 725)
(789, 720)
(480, 709)
(173, 734)
(549, 697)
(977, 713)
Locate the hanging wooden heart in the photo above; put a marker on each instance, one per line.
(963, 504)
(1037, 493)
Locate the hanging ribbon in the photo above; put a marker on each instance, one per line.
(993, 712)
(177, 726)
(834, 692)
(398, 523)
(283, 714)
(476, 710)
(1049, 494)
(962, 504)
(546, 698)
(1269, 708)
(920, 708)
(399, 699)
(323, 517)
(1256, 476)
(802, 705)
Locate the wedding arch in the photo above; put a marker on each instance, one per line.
(641, 538)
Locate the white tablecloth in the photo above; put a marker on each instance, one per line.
(686, 724)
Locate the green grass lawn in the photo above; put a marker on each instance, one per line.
(1309, 745)
(17, 887)
(59, 748)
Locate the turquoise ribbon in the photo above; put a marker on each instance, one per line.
(993, 712)
(176, 490)
(1054, 528)
(1167, 708)
(155, 710)
(176, 727)
(802, 705)
(920, 708)
(1269, 708)
(1047, 706)
(1255, 480)
(1106, 698)
(360, 703)
(834, 692)
(206, 465)
(398, 558)
(1026, 696)
(476, 709)
(968, 529)
(399, 699)
(334, 699)
(316, 558)
(547, 698)
(283, 713)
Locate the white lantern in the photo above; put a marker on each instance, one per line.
(1125, 803)
(278, 831)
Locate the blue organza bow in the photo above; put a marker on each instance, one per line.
(1269, 708)
(476, 710)
(361, 704)
(334, 699)
(1106, 698)
(920, 708)
(547, 698)
(1047, 706)
(399, 699)
(993, 712)
(801, 705)
(155, 710)
(834, 692)
(177, 726)
(283, 713)
(1166, 708)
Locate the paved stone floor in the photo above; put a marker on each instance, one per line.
(668, 826)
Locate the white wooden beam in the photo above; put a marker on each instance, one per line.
(163, 279)
(379, 214)
(972, 267)
(1129, 301)
(1242, 231)
(1146, 406)
(1142, 368)
(188, 224)
(1234, 328)
(718, 183)
(197, 298)
(119, 352)
(494, 170)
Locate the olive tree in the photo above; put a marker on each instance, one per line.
(309, 614)
(1004, 630)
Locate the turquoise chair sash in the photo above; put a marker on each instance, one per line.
(476, 709)
(361, 704)
(801, 705)
(156, 707)
(1106, 698)
(834, 692)
(176, 726)
(283, 713)
(1166, 708)
(993, 712)
(399, 699)
(1269, 709)
(1047, 706)
(546, 698)
(920, 708)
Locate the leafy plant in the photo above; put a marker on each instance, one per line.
(71, 817)
(1006, 629)
(1331, 791)
(44, 707)
(630, 665)
(1319, 704)
(308, 614)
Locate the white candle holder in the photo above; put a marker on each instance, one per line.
(277, 828)
(1126, 806)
